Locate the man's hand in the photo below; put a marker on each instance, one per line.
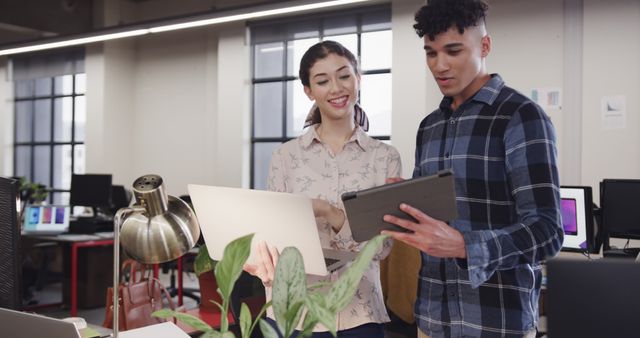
(333, 215)
(393, 180)
(266, 266)
(434, 237)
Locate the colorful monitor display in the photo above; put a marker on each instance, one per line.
(46, 218)
(577, 219)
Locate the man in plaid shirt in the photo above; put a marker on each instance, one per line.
(481, 274)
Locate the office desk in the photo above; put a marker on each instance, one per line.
(74, 242)
(77, 241)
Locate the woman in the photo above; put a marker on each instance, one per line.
(334, 156)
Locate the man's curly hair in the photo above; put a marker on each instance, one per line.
(437, 16)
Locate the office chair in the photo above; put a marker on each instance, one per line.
(172, 268)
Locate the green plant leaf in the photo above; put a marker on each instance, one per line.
(267, 330)
(216, 334)
(245, 321)
(289, 289)
(345, 287)
(203, 261)
(318, 285)
(228, 270)
(262, 311)
(308, 324)
(188, 319)
(317, 306)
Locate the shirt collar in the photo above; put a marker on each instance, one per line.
(359, 136)
(487, 94)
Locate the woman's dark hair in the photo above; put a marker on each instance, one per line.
(437, 16)
(320, 51)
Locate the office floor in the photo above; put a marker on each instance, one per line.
(51, 293)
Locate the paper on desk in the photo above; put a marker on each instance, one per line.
(164, 330)
(89, 332)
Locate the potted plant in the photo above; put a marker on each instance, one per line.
(203, 266)
(31, 192)
(290, 295)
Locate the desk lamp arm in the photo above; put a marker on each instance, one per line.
(117, 223)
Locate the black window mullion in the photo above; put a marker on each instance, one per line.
(51, 138)
(73, 125)
(285, 111)
(32, 148)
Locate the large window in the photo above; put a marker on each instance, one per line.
(279, 103)
(50, 115)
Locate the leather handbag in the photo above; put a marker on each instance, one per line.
(138, 298)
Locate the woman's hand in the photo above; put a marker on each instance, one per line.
(266, 266)
(333, 215)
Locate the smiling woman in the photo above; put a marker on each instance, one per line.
(280, 105)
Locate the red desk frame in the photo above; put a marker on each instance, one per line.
(74, 267)
(74, 246)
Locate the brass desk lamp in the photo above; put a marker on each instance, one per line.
(158, 228)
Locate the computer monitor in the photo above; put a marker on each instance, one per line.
(120, 197)
(90, 190)
(592, 298)
(10, 254)
(620, 203)
(577, 219)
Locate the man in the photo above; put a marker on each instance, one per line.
(481, 274)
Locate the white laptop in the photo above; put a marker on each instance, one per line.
(16, 324)
(46, 219)
(279, 219)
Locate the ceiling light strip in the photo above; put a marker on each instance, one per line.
(196, 23)
(253, 15)
(73, 42)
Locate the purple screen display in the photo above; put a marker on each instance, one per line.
(569, 217)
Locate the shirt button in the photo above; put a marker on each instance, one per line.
(452, 121)
(446, 155)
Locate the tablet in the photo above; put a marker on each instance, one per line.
(435, 195)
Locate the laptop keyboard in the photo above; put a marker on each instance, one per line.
(329, 261)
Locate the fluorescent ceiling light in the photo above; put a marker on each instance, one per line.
(253, 15)
(137, 30)
(73, 42)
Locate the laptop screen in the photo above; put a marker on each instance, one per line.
(46, 218)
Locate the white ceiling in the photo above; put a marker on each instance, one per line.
(24, 20)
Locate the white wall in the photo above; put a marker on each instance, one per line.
(611, 67)
(414, 93)
(110, 96)
(160, 107)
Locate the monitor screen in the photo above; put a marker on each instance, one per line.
(592, 298)
(46, 218)
(119, 197)
(90, 190)
(10, 255)
(620, 203)
(577, 218)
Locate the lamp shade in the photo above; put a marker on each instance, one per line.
(158, 228)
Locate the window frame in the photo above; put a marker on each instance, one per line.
(286, 79)
(51, 143)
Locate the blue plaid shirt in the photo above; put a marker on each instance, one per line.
(501, 147)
